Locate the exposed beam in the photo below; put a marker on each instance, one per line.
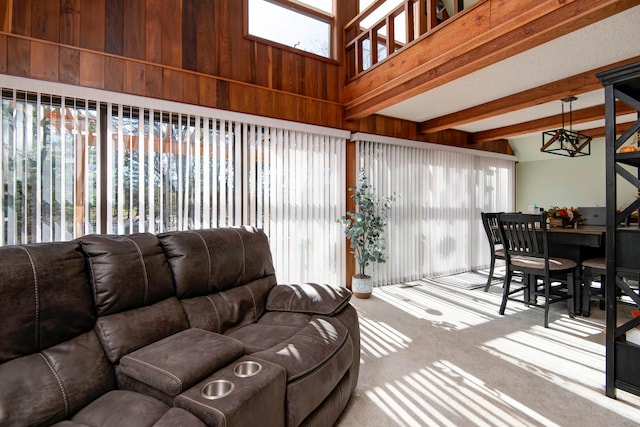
(574, 85)
(424, 65)
(599, 132)
(552, 122)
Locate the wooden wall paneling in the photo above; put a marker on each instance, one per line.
(172, 33)
(263, 65)
(228, 28)
(133, 29)
(172, 85)
(207, 91)
(92, 70)
(276, 68)
(292, 72)
(6, 14)
(114, 74)
(222, 94)
(45, 20)
(93, 24)
(189, 88)
(3, 54)
(206, 51)
(189, 36)
(21, 17)
(153, 31)
(114, 26)
(70, 22)
(44, 61)
(153, 81)
(19, 57)
(134, 78)
(69, 66)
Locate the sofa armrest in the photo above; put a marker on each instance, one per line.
(310, 298)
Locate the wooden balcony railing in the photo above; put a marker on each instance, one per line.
(408, 21)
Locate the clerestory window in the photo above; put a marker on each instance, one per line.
(304, 24)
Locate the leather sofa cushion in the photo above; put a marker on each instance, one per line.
(127, 271)
(177, 362)
(46, 297)
(226, 258)
(225, 311)
(311, 298)
(125, 332)
(46, 387)
(257, 337)
(122, 408)
(316, 359)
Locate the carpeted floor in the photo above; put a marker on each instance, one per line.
(439, 355)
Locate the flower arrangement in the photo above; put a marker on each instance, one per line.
(567, 216)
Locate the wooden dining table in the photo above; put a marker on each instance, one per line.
(578, 244)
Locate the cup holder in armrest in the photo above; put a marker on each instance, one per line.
(216, 389)
(247, 369)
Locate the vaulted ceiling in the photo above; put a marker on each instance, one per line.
(514, 90)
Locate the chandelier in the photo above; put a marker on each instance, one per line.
(566, 142)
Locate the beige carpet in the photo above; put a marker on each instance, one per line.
(437, 355)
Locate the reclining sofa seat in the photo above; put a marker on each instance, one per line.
(308, 329)
(53, 369)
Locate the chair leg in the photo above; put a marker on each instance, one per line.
(505, 291)
(493, 264)
(586, 292)
(574, 297)
(547, 295)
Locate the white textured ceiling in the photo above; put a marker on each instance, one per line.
(605, 42)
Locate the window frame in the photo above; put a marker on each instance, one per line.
(302, 9)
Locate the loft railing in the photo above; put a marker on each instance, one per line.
(368, 44)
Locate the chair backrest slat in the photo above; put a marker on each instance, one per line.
(524, 234)
(490, 223)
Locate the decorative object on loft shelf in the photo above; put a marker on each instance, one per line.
(566, 142)
(564, 217)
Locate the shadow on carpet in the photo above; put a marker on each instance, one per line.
(467, 280)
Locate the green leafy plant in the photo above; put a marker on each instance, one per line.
(364, 227)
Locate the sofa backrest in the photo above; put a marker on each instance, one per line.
(47, 340)
(222, 276)
(133, 291)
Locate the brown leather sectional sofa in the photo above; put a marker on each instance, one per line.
(180, 329)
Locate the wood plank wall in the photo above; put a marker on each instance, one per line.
(187, 51)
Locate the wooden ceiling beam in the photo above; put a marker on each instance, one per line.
(552, 122)
(599, 132)
(554, 91)
(495, 36)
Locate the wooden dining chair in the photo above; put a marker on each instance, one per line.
(490, 223)
(592, 268)
(524, 238)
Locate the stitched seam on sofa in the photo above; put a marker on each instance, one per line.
(244, 257)
(169, 374)
(105, 334)
(144, 269)
(224, 417)
(206, 248)
(216, 312)
(36, 296)
(60, 385)
(93, 283)
(303, 373)
(293, 294)
(255, 308)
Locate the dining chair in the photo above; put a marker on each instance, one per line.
(524, 238)
(490, 223)
(592, 268)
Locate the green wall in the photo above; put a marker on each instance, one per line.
(547, 180)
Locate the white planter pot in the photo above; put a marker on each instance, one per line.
(361, 286)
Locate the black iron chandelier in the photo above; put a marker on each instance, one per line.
(566, 142)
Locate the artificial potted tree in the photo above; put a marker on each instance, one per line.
(364, 228)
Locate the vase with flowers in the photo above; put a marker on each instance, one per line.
(564, 217)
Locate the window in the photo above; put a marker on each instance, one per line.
(120, 164)
(304, 24)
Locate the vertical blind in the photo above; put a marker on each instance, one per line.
(434, 226)
(73, 166)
